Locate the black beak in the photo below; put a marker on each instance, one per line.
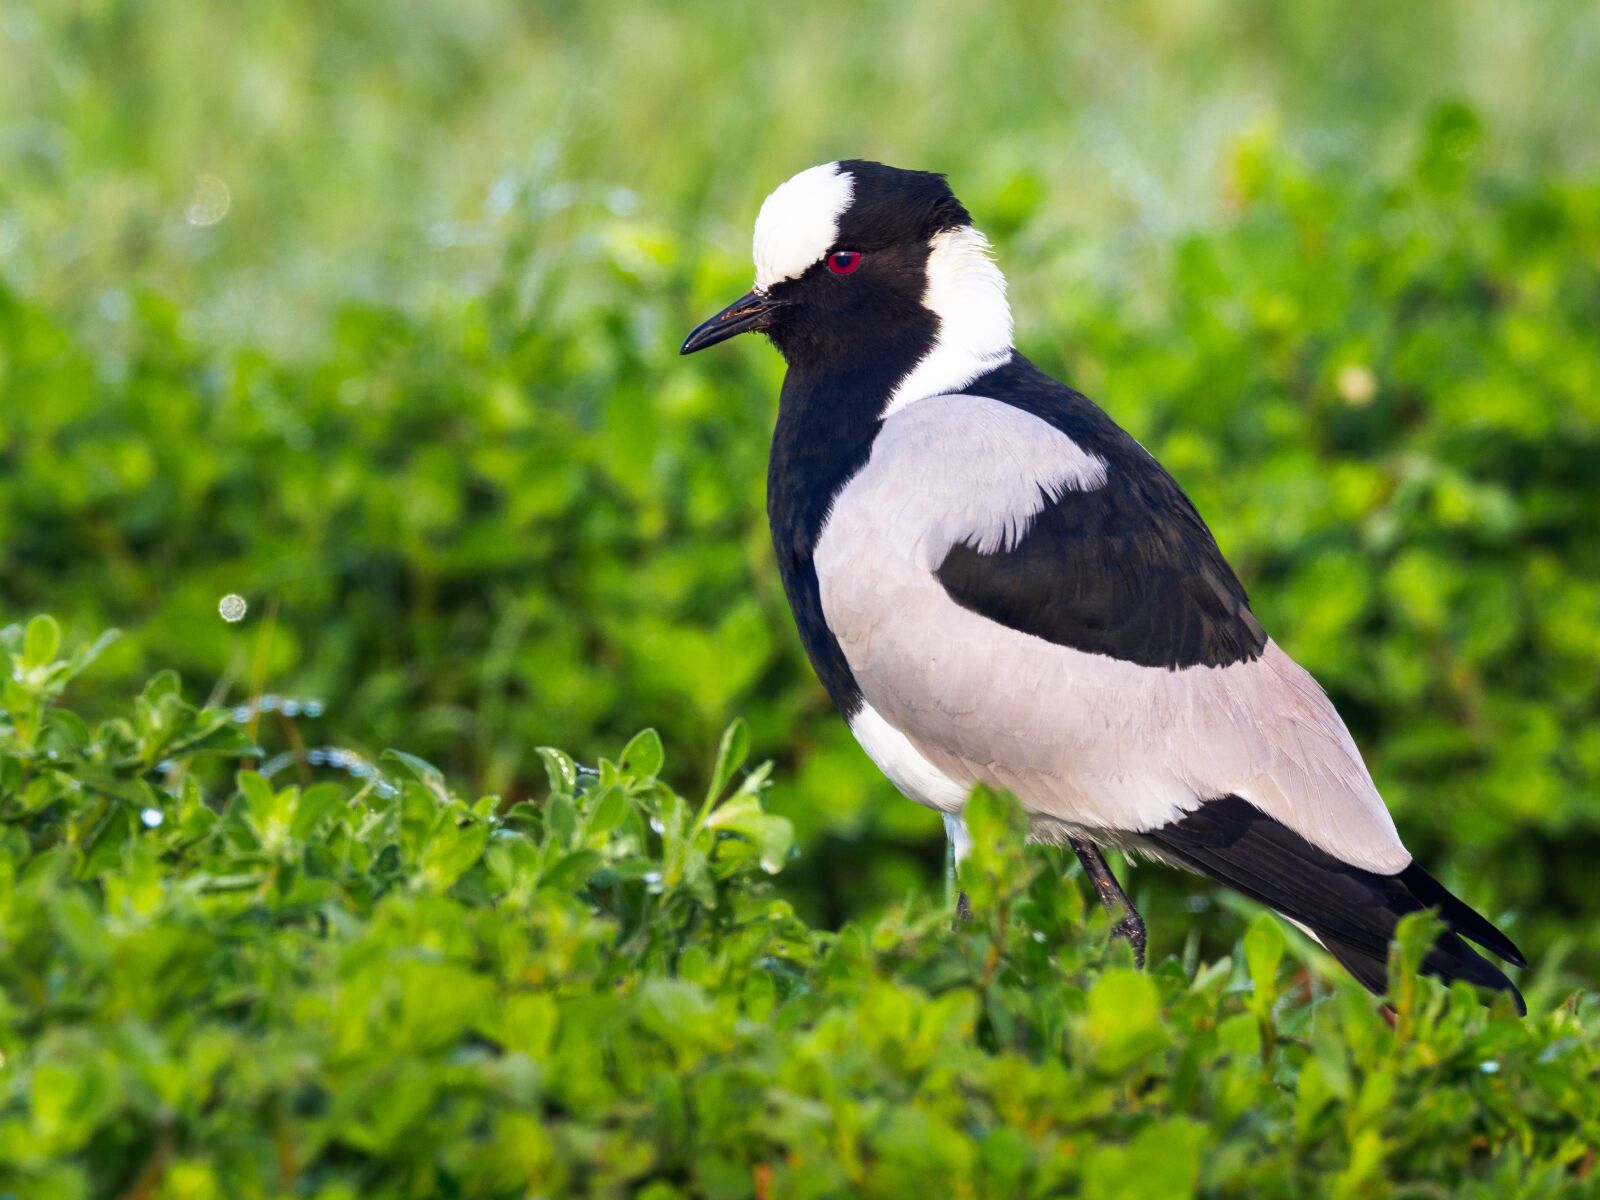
(750, 311)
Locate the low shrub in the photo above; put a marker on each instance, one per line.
(218, 984)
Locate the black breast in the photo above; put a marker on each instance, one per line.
(823, 438)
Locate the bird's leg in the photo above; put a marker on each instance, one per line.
(1126, 921)
(957, 845)
(963, 909)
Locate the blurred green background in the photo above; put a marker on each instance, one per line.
(369, 312)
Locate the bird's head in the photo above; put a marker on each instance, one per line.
(863, 267)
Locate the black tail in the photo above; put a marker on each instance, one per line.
(1353, 912)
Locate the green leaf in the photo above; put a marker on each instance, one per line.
(643, 756)
(997, 869)
(218, 741)
(84, 657)
(312, 805)
(110, 782)
(423, 771)
(1162, 1162)
(1413, 937)
(1263, 952)
(561, 818)
(451, 852)
(80, 926)
(731, 754)
(269, 812)
(67, 727)
(1123, 1023)
(42, 642)
(772, 836)
(559, 769)
(608, 811)
(572, 871)
(258, 793)
(162, 687)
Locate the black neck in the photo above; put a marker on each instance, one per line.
(828, 414)
(826, 424)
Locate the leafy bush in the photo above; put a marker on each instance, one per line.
(518, 518)
(368, 313)
(384, 989)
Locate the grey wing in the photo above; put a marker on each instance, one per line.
(1084, 738)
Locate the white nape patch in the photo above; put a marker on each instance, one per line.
(960, 840)
(904, 765)
(799, 223)
(967, 292)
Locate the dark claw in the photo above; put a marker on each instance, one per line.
(963, 910)
(1129, 924)
(1131, 929)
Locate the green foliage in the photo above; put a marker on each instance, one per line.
(250, 989)
(477, 504)
(368, 313)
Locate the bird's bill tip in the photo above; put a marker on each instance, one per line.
(750, 311)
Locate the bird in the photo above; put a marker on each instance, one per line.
(996, 584)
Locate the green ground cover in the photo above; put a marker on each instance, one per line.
(367, 314)
(235, 988)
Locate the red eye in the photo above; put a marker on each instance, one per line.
(842, 262)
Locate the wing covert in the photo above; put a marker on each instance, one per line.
(1127, 570)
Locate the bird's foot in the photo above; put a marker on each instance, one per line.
(1129, 925)
(963, 910)
(1131, 930)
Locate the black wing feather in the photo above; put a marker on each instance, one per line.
(1353, 911)
(1127, 569)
